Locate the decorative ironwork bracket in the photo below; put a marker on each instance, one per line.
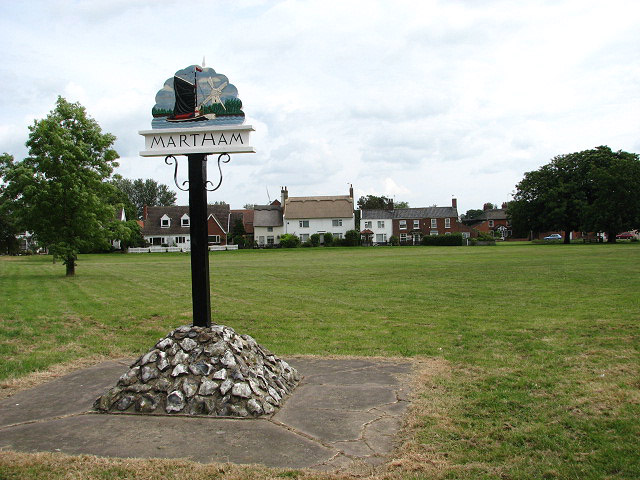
(172, 160)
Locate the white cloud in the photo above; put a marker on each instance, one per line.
(418, 99)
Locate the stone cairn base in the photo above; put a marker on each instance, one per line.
(203, 371)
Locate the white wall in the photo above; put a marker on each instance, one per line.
(387, 229)
(170, 240)
(260, 234)
(318, 225)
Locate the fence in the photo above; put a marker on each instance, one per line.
(212, 248)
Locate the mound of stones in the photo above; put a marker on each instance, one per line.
(203, 371)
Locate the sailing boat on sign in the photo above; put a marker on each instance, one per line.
(186, 106)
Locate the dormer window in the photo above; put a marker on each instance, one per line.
(184, 221)
(165, 221)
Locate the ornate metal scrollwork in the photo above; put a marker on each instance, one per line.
(175, 172)
(227, 160)
(171, 160)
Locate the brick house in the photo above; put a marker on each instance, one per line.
(409, 225)
(170, 226)
(492, 220)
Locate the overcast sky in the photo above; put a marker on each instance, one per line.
(421, 101)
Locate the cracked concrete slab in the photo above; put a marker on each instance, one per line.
(344, 412)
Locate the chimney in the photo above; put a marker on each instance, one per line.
(351, 190)
(145, 213)
(504, 205)
(454, 203)
(284, 194)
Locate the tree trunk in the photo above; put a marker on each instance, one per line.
(567, 236)
(71, 267)
(611, 237)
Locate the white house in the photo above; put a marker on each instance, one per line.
(303, 216)
(376, 226)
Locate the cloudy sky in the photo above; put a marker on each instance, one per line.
(417, 100)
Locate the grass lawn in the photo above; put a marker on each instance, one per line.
(536, 346)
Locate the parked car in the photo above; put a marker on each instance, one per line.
(626, 236)
(554, 236)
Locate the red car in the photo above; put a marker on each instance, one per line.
(626, 236)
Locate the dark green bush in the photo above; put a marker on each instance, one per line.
(352, 238)
(328, 239)
(289, 240)
(455, 239)
(315, 240)
(393, 240)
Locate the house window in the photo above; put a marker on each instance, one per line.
(269, 229)
(381, 237)
(367, 224)
(270, 240)
(336, 222)
(491, 223)
(304, 223)
(214, 239)
(434, 223)
(416, 224)
(403, 224)
(165, 221)
(184, 221)
(155, 240)
(337, 235)
(380, 223)
(261, 240)
(447, 223)
(304, 237)
(180, 240)
(403, 237)
(433, 232)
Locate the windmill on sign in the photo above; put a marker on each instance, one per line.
(214, 94)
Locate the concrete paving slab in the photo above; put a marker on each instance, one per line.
(344, 412)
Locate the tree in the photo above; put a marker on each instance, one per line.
(591, 190)
(58, 191)
(472, 213)
(248, 206)
(373, 202)
(218, 202)
(141, 192)
(8, 227)
(401, 205)
(289, 240)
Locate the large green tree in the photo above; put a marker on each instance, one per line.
(374, 202)
(591, 190)
(140, 192)
(58, 192)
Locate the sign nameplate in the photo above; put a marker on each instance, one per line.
(184, 141)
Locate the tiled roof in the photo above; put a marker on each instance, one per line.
(493, 214)
(339, 206)
(175, 213)
(411, 213)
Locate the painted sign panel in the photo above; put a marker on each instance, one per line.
(183, 141)
(197, 111)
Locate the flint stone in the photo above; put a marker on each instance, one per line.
(175, 401)
(146, 404)
(216, 349)
(238, 410)
(179, 370)
(241, 390)
(106, 401)
(228, 360)
(220, 374)
(149, 357)
(149, 373)
(254, 407)
(179, 358)
(138, 388)
(130, 377)
(207, 387)
(124, 403)
(163, 362)
(268, 408)
(187, 344)
(275, 395)
(163, 385)
(255, 388)
(190, 387)
(164, 343)
(226, 386)
(200, 368)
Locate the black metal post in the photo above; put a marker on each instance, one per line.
(199, 240)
